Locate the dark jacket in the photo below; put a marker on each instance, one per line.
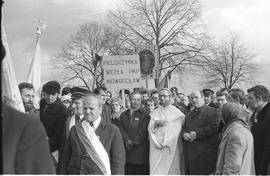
(76, 160)
(53, 116)
(25, 146)
(106, 113)
(261, 135)
(135, 129)
(213, 105)
(201, 154)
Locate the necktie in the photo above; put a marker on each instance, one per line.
(77, 119)
(91, 124)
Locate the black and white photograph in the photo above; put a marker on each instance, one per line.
(135, 87)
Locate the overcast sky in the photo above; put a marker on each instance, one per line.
(249, 18)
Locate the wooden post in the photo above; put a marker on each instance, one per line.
(146, 81)
(124, 98)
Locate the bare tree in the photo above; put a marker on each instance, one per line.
(230, 64)
(173, 25)
(81, 56)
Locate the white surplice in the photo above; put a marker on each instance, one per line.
(164, 150)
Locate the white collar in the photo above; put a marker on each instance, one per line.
(97, 122)
(81, 116)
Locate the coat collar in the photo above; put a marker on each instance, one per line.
(101, 128)
(263, 111)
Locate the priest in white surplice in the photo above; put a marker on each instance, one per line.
(164, 130)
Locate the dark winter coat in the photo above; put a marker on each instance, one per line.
(201, 154)
(261, 134)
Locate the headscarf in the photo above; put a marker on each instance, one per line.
(232, 112)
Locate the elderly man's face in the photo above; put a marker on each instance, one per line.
(91, 108)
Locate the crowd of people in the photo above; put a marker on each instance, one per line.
(139, 132)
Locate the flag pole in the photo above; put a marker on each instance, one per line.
(34, 74)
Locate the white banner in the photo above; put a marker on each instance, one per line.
(122, 72)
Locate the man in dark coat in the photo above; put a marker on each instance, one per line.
(106, 109)
(53, 114)
(133, 126)
(258, 101)
(78, 157)
(25, 146)
(77, 110)
(200, 134)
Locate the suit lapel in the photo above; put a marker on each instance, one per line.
(100, 129)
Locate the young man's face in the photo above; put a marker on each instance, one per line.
(221, 100)
(150, 106)
(207, 99)
(103, 96)
(144, 97)
(50, 98)
(252, 101)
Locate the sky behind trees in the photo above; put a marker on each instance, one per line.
(249, 18)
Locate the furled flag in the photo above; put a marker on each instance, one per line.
(10, 90)
(34, 75)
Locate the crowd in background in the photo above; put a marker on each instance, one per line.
(142, 132)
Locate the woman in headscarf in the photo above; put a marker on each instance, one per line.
(236, 150)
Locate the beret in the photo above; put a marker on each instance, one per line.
(51, 87)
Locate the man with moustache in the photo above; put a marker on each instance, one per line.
(200, 134)
(94, 146)
(28, 94)
(133, 126)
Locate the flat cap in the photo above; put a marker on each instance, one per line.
(207, 92)
(78, 92)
